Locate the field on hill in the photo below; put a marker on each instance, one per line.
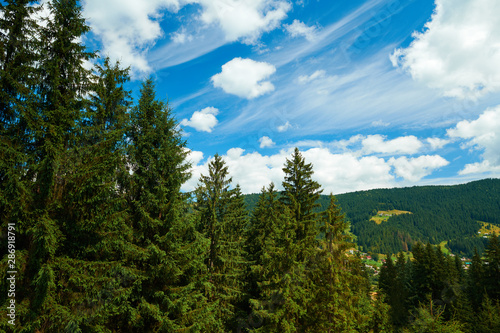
(488, 228)
(384, 215)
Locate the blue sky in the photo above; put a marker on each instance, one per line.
(378, 93)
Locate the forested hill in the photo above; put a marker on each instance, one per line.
(438, 213)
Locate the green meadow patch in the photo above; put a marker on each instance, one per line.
(488, 228)
(384, 215)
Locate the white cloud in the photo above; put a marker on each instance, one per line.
(481, 134)
(401, 145)
(353, 98)
(379, 123)
(459, 50)
(127, 27)
(203, 121)
(266, 142)
(298, 28)
(245, 78)
(244, 20)
(181, 37)
(344, 144)
(308, 78)
(285, 127)
(479, 167)
(336, 173)
(437, 143)
(43, 13)
(308, 144)
(194, 157)
(414, 169)
(339, 173)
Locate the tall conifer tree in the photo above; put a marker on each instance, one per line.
(156, 158)
(18, 59)
(300, 194)
(50, 122)
(492, 268)
(222, 221)
(271, 249)
(340, 301)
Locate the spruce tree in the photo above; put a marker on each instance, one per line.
(50, 82)
(399, 307)
(492, 268)
(340, 301)
(271, 251)
(300, 194)
(18, 58)
(222, 220)
(475, 282)
(299, 197)
(387, 277)
(488, 319)
(157, 169)
(262, 235)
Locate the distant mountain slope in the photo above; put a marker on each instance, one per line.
(439, 213)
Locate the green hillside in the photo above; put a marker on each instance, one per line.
(439, 213)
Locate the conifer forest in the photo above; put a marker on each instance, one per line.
(97, 236)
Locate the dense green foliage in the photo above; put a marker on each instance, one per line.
(433, 293)
(105, 240)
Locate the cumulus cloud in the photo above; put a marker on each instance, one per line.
(298, 28)
(308, 78)
(481, 134)
(339, 173)
(414, 169)
(245, 78)
(242, 19)
(266, 142)
(479, 167)
(401, 145)
(203, 121)
(336, 172)
(459, 50)
(194, 157)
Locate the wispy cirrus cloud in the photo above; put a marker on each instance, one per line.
(128, 29)
(354, 97)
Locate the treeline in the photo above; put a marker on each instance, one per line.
(105, 241)
(439, 213)
(433, 292)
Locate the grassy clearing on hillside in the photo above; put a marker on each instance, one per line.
(488, 228)
(384, 215)
(443, 247)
